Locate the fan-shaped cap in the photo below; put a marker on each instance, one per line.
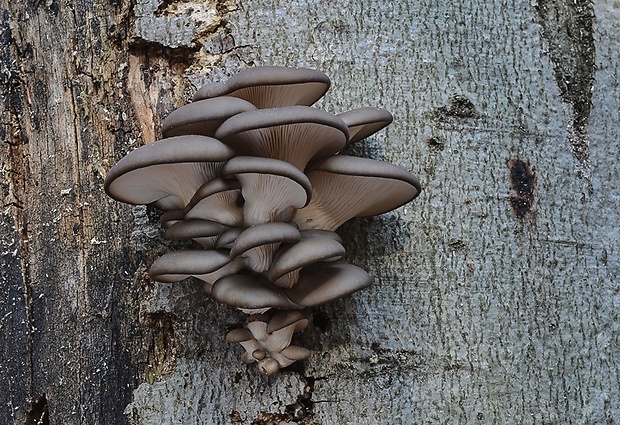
(323, 283)
(286, 318)
(204, 232)
(217, 200)
(170, 217)
(347, 187)
(238, 335)
(203, 117)
(250, 292)
(258, 243)
(294, 353)
(364, 122)
(271, 87)
(284, 270)
(294, 134)
(228, 238)
(234, 267)
(272, 189)
(170, 169)
(178, 265)
(320, 233)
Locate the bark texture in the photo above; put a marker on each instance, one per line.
(495, 297)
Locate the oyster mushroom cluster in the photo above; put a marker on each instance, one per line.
(253, 174)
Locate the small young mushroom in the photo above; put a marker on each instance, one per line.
(271, 86)
(168, 171)
(364, 122)
(272, 189)
(203, 117)
(294, 134)
(347, 187)
(268, 340)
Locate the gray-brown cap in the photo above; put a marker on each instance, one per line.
(250, 292)
(217, 200)
(294, 134)
(326, 282)
(205, 232)
(257, 244)
(272, 189)
(168, 171)
(364, 122)
(203, 117)
(347, 187)
(289, 260)
(178, 265)
(271, 86)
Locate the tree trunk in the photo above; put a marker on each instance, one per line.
(495, 295)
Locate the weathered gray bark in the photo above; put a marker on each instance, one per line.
(496, 294)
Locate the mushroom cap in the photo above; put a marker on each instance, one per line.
(268, 366)
(263, 234)
(295, 352)
(204, 232)
(178, 265)
(170, 217)
(234, 267)
(364, 122)
(322, 283)
(320, 233)
(251, 292)
(304, 253)
(271, 86)
(294, 134)
(258, 243)
(216, 200)
(228, 238)
(286, 318)
(203, 117)
(171, 168)
(238, 335)
(190, 229)
(272, 189)
(347, 187)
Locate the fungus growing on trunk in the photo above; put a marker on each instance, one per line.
(253, 174)
(271, 86)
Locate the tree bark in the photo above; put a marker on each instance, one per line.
(495, 295)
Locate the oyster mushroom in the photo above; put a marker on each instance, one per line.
(205, 232)
(217, 200)
(257, 244)
(272, 189)
(250, 292)
(294, 134)
(364, 122)
(178, 265)
(326, 282)
(345, 187)
(167, 172)
(270, 86)
(267, 341)
(289, 260)
(203, 117)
